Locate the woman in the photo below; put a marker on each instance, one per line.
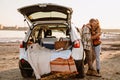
(96, 32)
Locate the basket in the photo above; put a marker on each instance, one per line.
(61, 44)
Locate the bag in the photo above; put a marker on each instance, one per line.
(61, 44)
(96, 42)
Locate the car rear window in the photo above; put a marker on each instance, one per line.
(52, 14)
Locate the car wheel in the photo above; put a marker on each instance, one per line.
(26, 73)
(25, 69)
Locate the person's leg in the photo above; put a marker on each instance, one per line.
(93, 55)
(88, 54)
(85, 61)
(80, 68)
(97, 52)
(91, 71)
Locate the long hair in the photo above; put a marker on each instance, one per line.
(92, 20)
(97, 26)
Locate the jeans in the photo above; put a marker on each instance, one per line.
(97, 50)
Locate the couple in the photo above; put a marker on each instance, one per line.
(91, 42)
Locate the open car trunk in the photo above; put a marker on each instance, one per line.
(46, 12)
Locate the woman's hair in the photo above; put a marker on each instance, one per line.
(92, 20)
(96, 27)
(98, 24)
(95, 20)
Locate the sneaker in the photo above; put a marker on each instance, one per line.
(99, 75)
(94, 73)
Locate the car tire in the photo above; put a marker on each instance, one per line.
(25, 69)
(26, 73)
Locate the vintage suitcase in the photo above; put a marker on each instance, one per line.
(63, 65)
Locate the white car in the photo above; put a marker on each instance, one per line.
(47, 24)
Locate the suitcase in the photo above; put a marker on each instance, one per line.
(63, 65)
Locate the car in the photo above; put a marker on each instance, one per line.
(47, 23)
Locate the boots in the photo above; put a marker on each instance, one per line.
(92, 73)
(80, 68)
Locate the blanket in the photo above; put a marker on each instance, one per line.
(39, 60)
(40, 57)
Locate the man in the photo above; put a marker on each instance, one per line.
(88, 49)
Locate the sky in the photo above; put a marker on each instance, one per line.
(106, 11)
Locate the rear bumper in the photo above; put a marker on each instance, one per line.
(23, 54)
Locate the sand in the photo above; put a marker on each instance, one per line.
(110, 63)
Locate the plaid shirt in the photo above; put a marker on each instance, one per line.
(86, 37)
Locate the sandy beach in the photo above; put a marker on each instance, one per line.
(110, 63)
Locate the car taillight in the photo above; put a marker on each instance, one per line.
(21, 46)
(22, 60)
(76, 44)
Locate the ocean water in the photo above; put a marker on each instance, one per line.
(17, 36)
(111, 35)
(11, 36)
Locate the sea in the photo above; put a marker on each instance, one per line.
(18, 36)
(11, 36)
